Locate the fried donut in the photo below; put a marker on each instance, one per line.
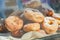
(17, 33)
(33, 4)
(49, 13)
(31, 27)
(33, 15)
(59, 28)
(13, 23)
(57, 17)
(3, 29)
(50, 25)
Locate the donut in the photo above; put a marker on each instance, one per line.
(59, 28)
(50, 25)
(13, 23)
(31, 27)
(57, 17)
(33, 4)
(3, 28)
(17, 33)
(49, 13)
(33, 15)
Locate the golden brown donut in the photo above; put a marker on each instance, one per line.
(59, 28)
(57, 17)
(17, 33)
(33, 15)
(3, 28)
(13, 23)
(49, 13)
(31, 27)
(50, 25)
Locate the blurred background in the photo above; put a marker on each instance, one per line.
(8, 6)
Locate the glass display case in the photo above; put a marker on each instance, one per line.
(55, 4)
(9, 6)
(2, 8)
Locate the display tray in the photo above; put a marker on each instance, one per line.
(51, 37)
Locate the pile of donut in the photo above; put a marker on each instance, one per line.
(37, 22)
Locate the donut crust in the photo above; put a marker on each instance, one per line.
(31, 27)
(57, 17)
(33, 15)
(13, 23)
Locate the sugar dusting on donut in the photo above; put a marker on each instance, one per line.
(47, 19)
(33, 15)
(50, 25)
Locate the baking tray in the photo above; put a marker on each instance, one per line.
(52, 37)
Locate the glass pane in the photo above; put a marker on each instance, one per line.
(10, 3)
(55, 4)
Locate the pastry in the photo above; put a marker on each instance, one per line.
(49, 13)
(33, 15)
(33, 4)
(57, 17)
(17, 33)
(31, 27)
(59, 28)
(13, 23)
(50, 25)
(3, 28)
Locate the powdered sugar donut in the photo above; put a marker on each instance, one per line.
(50, 25)
(31, 27)
(33, 15)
